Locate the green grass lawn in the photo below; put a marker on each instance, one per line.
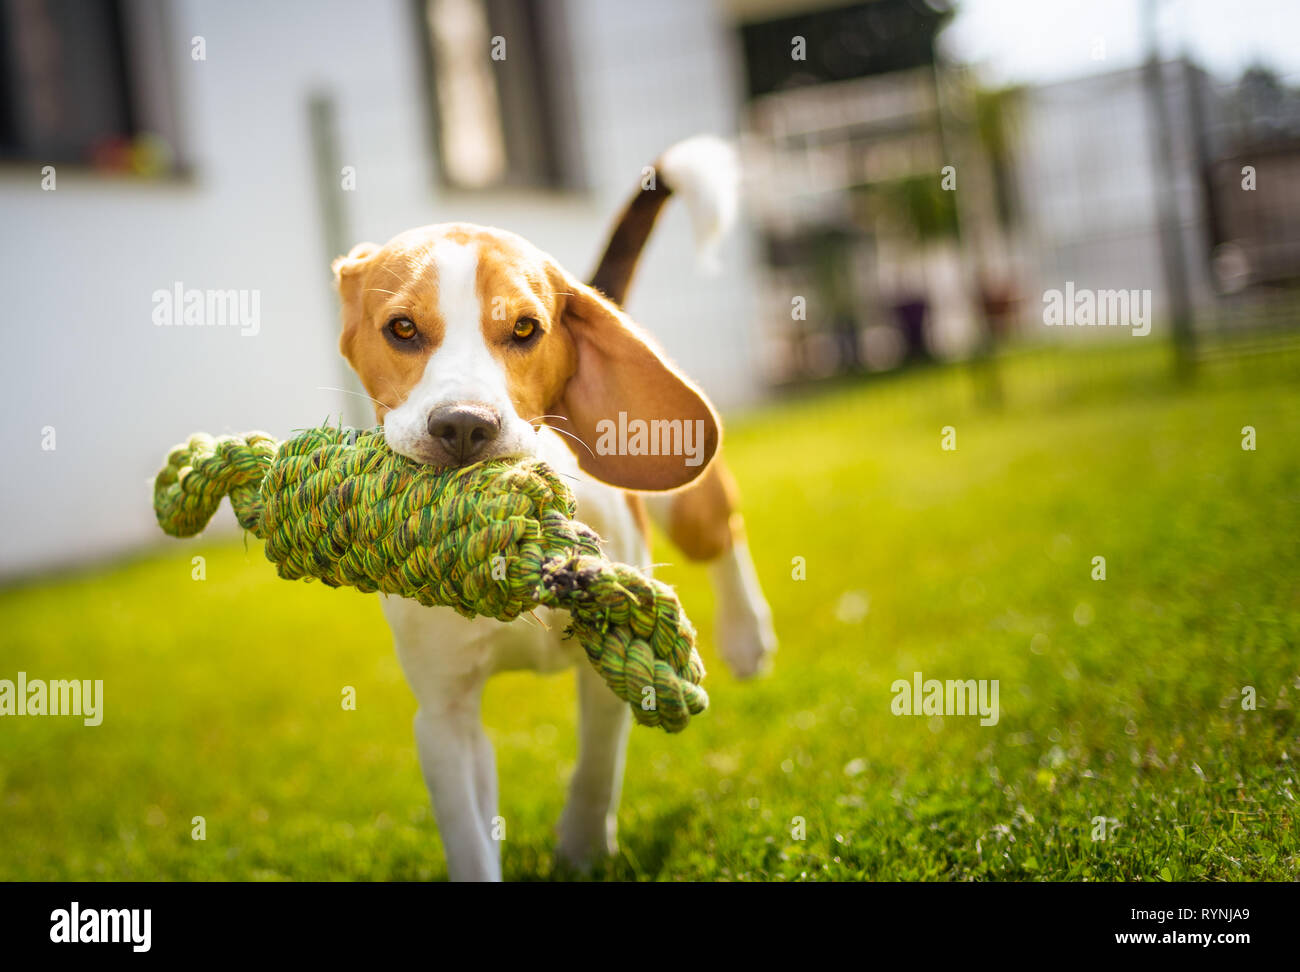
(1119, 698)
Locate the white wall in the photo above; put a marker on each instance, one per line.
(83, 261)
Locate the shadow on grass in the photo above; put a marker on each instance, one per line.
(643, 851)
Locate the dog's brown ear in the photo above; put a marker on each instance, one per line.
(347, 281)
(641, 423)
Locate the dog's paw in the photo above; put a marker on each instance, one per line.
(584, 844)
(746, 641)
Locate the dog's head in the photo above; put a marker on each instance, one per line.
(469, 338)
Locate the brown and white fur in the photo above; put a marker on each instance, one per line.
(473, 343)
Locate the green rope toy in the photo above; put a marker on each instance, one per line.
(496, 539)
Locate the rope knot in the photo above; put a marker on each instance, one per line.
(492, 539)
(569, 577)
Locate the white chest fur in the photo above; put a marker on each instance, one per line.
(437, 646)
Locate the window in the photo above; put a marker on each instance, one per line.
(84, 82)
(499, 93)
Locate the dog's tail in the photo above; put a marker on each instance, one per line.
(704, 170)
(701, 518)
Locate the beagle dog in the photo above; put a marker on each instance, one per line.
(472, 343)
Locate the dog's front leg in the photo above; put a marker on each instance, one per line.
(589, 825)
(455, 754)
(446, 662)
(485, 791)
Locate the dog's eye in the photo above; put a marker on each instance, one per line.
(525, 328)
(402, 329)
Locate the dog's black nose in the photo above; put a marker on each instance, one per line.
(463, 431)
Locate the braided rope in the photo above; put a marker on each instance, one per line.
(496, 539)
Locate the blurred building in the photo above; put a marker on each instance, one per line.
(1087, 188)
(915, 214)
(848, 143)
(1254, 140)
